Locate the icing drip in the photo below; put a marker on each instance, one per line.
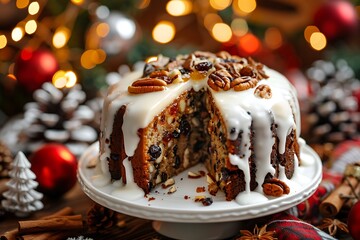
(130, 190)
(242, 164)
(263, 147)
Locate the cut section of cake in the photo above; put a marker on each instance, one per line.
(234, 115)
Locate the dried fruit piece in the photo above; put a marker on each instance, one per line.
(207, 201)
(200, 189)
(203, 66)
(154, 151)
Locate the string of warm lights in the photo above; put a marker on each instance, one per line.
(208, 11)
(56, 31)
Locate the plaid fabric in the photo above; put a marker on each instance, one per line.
(288, 226)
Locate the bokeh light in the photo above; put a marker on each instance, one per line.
(164, 32)
(102, 29)
(220, 4)
(3, 41)
(90, 58)
(17, 34)
(309, 30)
(102, 12)
(273, 38)
(210, 20)
(34, 8)
(77, 2)
(239, 27)
(249, 43)
(22, 3)
(61, 37)
(179, 7)
(30, 27)
(221, 32)
(62, 79)
(247, 6)
(318, 41)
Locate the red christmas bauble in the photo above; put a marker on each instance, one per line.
(55, 169)
(336, 19)
(354, 221)
(34, 67)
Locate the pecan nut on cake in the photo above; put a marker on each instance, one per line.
(234, 115)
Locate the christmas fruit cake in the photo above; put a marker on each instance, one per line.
(234, 115)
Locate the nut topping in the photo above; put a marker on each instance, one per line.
(194, 175)
(263, 91)
(223, 55)
(245, 83)
(168, 183)
(149, 82)
(145, 89)
(275, 187)
(146, 85)
(221, 79)
(224, 71)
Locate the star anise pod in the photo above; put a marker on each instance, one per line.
(332, 225)
(257, 234)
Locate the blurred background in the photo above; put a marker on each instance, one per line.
(80, 47)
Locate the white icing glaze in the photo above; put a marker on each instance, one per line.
(248, 198)
(131, 190)
(240, 110)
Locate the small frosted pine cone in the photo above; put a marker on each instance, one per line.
(6, 158)
(100, 218)
(333, 115)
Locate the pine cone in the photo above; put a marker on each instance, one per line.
(333, 110)
(59, 115)
(6, 158)
(100, 218)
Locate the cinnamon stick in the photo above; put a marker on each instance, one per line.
(53, 224)
(12, 234)
(66, 211)
(333, 203)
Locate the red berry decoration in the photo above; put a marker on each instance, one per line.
(34, 67)
(336, 19)
(354, 221)
(55, 169)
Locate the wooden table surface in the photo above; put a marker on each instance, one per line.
(134, 228)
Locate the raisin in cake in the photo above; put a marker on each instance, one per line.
(234, 115)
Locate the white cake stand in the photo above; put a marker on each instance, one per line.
(178, 216)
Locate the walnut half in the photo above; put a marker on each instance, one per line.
(263, 91)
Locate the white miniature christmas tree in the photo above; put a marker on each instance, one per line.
(21, 198)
